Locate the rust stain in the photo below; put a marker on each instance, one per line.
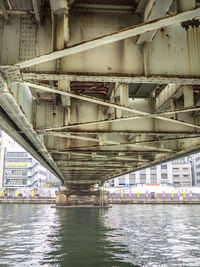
(188, 50)
(121, 47)
(194, 23)
(193, 50)
(90, 88)
(198, 45)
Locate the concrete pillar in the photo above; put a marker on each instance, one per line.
(106, 198)
(61, 199)
(68, 196)
(61, 196)
(103, 197)
(101, 191)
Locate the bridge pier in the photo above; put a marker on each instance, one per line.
(67, 196)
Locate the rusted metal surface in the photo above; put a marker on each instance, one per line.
(110, 2)
(24, 5)
(193, 23)
(111, 38)
(89, 88)
(101, 106)
(99, 77)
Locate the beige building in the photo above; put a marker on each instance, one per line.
(181, 171)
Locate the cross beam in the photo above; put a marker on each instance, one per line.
(157, 10)
(94, 100)
(89, 123)
(75, 125)
(105, 103)
(111, 38)
(107, 142)
(125, 78)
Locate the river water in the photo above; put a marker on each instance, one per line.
(124, 235)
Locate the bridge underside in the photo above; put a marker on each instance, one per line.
(97, 89)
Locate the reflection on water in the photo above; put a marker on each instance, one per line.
(131, 235)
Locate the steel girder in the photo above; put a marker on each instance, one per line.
(88, 138)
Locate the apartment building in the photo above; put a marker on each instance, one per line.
(161, 174)
(177, 173)
(197, 168)
(182, 172)
(19, 169)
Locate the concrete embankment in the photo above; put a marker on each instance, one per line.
(111, 201)
(153, 201)
(28, 201)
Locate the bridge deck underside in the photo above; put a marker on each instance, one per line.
(97, 89)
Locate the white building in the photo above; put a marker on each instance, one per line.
(197, 168)
(177, 173)
(19, 169)
(161, 174)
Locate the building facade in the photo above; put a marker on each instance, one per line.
(161, 174)
(2, 149)
(22, 170)
(197, 168)
(182, 172)
(177, 173)
(19, 169)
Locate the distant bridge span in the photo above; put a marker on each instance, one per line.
(97, 89)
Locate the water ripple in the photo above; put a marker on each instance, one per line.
(137, 235)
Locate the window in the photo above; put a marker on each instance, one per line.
(186, 183)
(16, 182)
(163, 167)
(164, 176)
(24, 173)
(8, 172)
(131, 181)
(122, 180)
(18, 160)
(42, 172)
(12, 172)
(17, 154)
(142, 176)
(131, 176)
(153, 176)
(153, 168)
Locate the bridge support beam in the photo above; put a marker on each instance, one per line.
(69, 197)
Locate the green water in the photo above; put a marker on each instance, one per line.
(131, 235)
